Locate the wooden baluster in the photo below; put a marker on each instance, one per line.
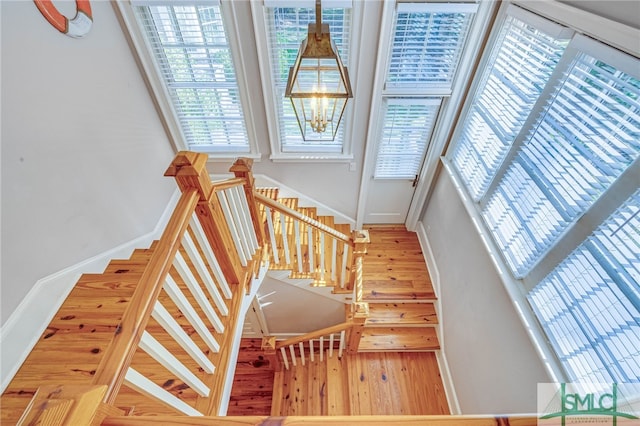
(301, 346)
(292, 349)
(311, 249)
(242, 169)
(321, 348)
(334, 260)
(117, 357)
(284, 358)
(198, 232)
(298, 241)
(231, 219)
(272, 236)
(311, 355)
(322, 265)
(360, 314)
(190, 172)
(164, 318)
(331, 345)
(285, 238)
(342, 343)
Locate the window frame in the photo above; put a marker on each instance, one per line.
(157, 87)
(427, 93)
(609, 201)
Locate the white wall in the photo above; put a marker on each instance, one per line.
(83, 150)
(494, 366)
(295, 310)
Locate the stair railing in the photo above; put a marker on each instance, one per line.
(346, 334)
(310, 248)
(196, 278)
(310, 345)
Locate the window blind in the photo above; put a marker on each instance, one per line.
(407, 125)
(587, 135)
(286, 28)
(427, 44)
(194, 59)
(589, 306)
(520, 65)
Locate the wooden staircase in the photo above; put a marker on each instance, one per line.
(305, 250)
(201, 270)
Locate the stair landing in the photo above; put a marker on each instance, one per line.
(397, 285)
(394, 266)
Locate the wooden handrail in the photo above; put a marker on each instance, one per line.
(443, 420)
(299, 216)
(314, 334)
(120, 351)
(226, 184)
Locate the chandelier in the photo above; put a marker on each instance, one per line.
(318, 83)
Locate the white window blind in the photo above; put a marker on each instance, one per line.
(427, 44)
(407, 125)
(589, 306)
(286, 28)
(587, 135)
(520, 65)
(190, 46)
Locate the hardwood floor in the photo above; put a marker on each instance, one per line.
(399, 290)
(252, 389)
(394, 266)
(380, 383)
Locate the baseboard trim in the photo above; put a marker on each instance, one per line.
(27, 322)
(443, 365)
(447, 382)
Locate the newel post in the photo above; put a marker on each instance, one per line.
(190, 171)
(242, 169)
(358, 317)
(69, 405)
(268, 347)
(360, 242)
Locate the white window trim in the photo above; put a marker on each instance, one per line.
(271, 108)
(615, 34)
(162, 99)
(446, 116)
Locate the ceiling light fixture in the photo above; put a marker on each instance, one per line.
(318, 83)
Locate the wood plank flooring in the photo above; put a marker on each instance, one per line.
(381, 383)
(394, 267)
(253, 382)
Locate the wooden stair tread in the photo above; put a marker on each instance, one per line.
(399, 339)
(397, 294)
(403, 314)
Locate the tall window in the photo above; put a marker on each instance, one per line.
(286, 27)
(589, 305)
(193, 57)
(553, 135)
(426, 46)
